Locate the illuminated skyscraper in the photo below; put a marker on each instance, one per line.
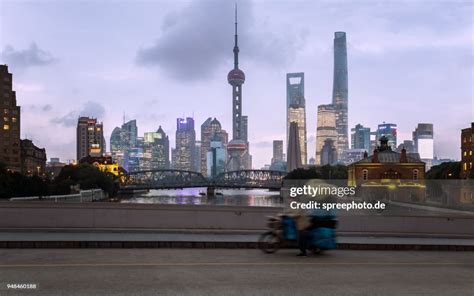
(185, 144)
(296, 109)
(10, 127)
(238, 147)
(326, 129)
(340, 92)
(156, 153)
(89, 138)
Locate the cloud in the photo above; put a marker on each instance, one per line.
(30, 57)
(194, 47)
(90, 109)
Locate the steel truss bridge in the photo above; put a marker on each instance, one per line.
(174, 179)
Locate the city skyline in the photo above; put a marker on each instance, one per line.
(47, 78)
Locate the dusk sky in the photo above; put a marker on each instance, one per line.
(408, 62)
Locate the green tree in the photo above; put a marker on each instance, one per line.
(446, 170)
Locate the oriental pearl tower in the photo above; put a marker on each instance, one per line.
(238, 155)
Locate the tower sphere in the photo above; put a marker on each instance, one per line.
(236, 77)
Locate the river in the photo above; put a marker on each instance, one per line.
(196, 196)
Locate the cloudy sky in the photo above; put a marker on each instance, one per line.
(154, 61)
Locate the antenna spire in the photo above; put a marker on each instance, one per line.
(236, 46)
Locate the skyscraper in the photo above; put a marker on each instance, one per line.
(238, 147)
(122, 141)
(10, 127)
(89, 138)
(328, 152)
(340, 92)
(277, 151)
(389, 130)
(185, 144)
(210, 130)
(424, 144)
(360, 137)
(116, 149)
(326, 129)
(216, 157)
(293, 153)
(296, 109)
(156, 148)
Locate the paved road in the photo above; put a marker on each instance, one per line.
(235, 272)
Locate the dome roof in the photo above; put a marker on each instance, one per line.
(236, 76)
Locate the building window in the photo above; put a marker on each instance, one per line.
(6, 127)
(415, 175)
(13, 119)
(465, 166)
(365, 174)
(465, 153)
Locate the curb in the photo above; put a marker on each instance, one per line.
(213, 245)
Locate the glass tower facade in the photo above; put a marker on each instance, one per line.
(326, 129)
(185, 144)
(360, 137)
(296, 110)
(340, 92)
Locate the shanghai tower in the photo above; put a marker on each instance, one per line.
(340, 92)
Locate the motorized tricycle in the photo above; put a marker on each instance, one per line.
(283, 231)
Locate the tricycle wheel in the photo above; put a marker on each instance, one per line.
(269, 242)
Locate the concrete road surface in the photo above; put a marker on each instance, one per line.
(234, 272)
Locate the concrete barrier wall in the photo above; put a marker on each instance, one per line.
(132, 216)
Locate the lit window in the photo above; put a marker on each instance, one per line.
(365, 175)
(465, 166)
(13, 119)
(465, 153)
(470, 152)
(6, 127)
(470, 165)
(5, 118)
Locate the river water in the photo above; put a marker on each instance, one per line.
(196, 196)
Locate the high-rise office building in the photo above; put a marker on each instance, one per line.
(277, 151)
(210, 130)
(216, 158)
(10, 150)
(388, 130)
(155, 150)
(328, 152)
(122, 141)
(360, 137)
(296, 109)
(185, 144)
(340, 92)
(467, 151)
(326, 129)
(134, 157)
(116, 150)
(89, 138)
(293, 153)
(238, 148)
(424, 143)
(408, 145)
